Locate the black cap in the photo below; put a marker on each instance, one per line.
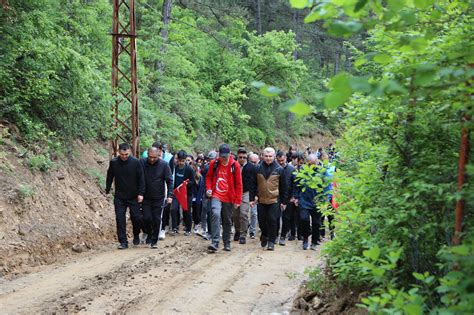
(224, 150)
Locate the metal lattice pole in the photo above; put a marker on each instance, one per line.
(124, 77)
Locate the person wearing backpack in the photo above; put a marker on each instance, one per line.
(224, 187)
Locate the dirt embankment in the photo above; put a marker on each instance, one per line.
(49, 215)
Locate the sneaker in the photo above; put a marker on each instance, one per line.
(263, 242)
(212, 248)
(174, 232)
(282, 241)
(136, 240)
(242, 240)
(206, 236)
(313, 246)
(153, 245)
(196, 229)
(252, 236)
(271, 246)
(123, 246)
(291, 238)
(162, 235)
(227, 247)
(144, 238)
(305, 244)
(187, 233)
(236, 236)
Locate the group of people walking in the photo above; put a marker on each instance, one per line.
(220, 191)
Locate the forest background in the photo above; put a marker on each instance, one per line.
(392, 79)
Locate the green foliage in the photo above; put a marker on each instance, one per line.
(40, 162)
(97, 175)
(50, 77)
(403, 112)
(25, 191)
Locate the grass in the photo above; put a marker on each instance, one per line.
(97, 175)
(25, 191)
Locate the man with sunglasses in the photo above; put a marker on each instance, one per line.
(249, 185)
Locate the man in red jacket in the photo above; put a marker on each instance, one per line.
(224, 187)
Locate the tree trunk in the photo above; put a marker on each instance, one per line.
(295, 29)
(166, 14)
(258, 16)
(337, 61)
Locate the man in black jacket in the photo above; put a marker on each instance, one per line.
(182, 172)
(249, 187)
(157, 174)
(271, 190)
(129, 191)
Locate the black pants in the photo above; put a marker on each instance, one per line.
(289, 220)
(187, 217)
(312, 228)
(152, 210)
(165, 219)
(197, 208)
(331, 226)
(268, 216)
(121, 206)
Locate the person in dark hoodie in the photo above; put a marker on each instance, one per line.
(157, 174)
(129, 190)
(182, 172)
(272, 192)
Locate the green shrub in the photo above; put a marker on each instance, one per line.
(40, 162)
(25, 191)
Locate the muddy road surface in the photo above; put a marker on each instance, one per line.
(178, 277)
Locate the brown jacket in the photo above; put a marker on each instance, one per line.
(271, 186)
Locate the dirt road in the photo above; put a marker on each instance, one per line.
(179, 277)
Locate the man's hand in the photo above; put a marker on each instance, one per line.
(140, 198)
(282, 206)
(209, 193)
(296, 202)
(236, 205)
(292, 199)
(169, 200)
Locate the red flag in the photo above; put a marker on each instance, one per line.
(334, 204)
(181, 194)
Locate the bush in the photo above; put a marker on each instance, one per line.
(40, 162)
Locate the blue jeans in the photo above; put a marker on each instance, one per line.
(221, 210)
(253, 220)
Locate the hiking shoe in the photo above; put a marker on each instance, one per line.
(162, 235)
(144, 238)
(305, 244)
(242, 240)
(271, 246)
(282, 241)
(187, 233)
(291, 238)
(252, 235)
(236, 236)
(227, 247)
(313, 246)
(153, 245)
(212, 248)
(136, 240)
(123, 246)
